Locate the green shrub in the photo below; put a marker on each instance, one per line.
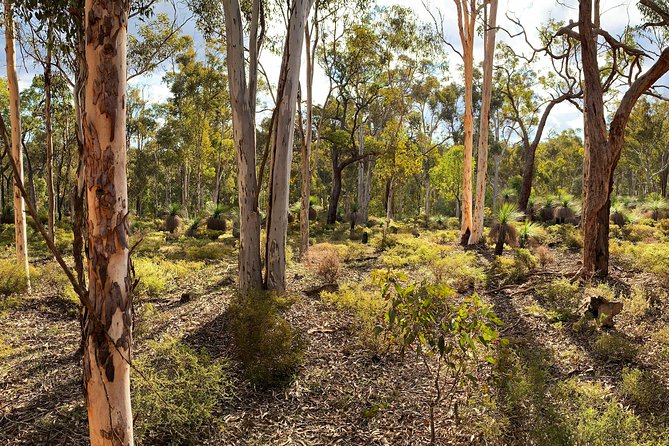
(643, 389)
(561, 295)
(12, 278)
(637, 232)
(268, 347)
(157, 276)
(614, 347)
(566, 235)
(407, 250)
(596, 418)
(368, 306)
(176, 403)
(637, 305)
(456, 333)
(210, 251)
(458, 270)
(508, 270)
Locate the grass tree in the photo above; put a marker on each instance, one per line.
(526, 231)
(655, 206)
(504, 230)
(566, 210)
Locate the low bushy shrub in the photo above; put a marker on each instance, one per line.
(176, 403)
(614, 347)
(561, 295)
(13, 278)
(458, 270)
(268, 347)
(323, 260)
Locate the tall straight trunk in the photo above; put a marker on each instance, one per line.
(242, 98)
(484, 125)
(17, 149)
(367, 195)
(79, 189)
(108, 332)
(361, 170)
(333, 201)
(49, 134)
(467, 11)
(308, 134)
(282, 148)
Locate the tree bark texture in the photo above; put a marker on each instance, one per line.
(490, 24)
(108, 331)
(17, 149)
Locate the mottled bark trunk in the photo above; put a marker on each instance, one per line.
(17, 149)
(466, 26)
(107, 332)
(282, 148)
(484, 125)
(242, 98)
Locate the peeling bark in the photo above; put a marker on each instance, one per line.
(476, 236)
(107, 333)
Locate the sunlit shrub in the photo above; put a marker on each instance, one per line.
(323, 260)
(177, 393)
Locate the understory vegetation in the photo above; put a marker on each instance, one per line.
(532, 367)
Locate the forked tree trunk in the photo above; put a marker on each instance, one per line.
(602, 146)
(242, 99)
(484, 125)
(17, 150)
(282, 148)
(49, 134)
(467, 11)
(108, 332)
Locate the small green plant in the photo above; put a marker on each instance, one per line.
(615, 348)
(637, 305)
(566, 210)
(12, 278)
(456, 333)
(458, 270)
(175, 396)
(561, 295)
(268, 347)
(368, 306)
(504, 230)
(643, 389)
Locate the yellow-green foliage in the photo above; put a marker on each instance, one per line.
(637, 232)
(5, 349)
(643, 389)
(409, 250)
(615, 348)
(508, 270)
(268, 347)
(149, 243)
(459, 270)
(175, 404)
(12, 278)
(637, 305)
(566, 235)
(561, 295)
(209, 251)
(596, 418)
(158, 275)
(368, 306)
(650, 257)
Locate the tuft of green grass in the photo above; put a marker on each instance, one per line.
(561, 295)
(643, 389)
(13, 279)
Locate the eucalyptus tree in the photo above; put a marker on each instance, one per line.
(17, 151)
(603, 146)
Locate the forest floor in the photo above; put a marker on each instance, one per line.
(563, 380)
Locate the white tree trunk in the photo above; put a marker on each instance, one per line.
(282, 148)
(17, 152)
(484, 126)
(49, 135)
